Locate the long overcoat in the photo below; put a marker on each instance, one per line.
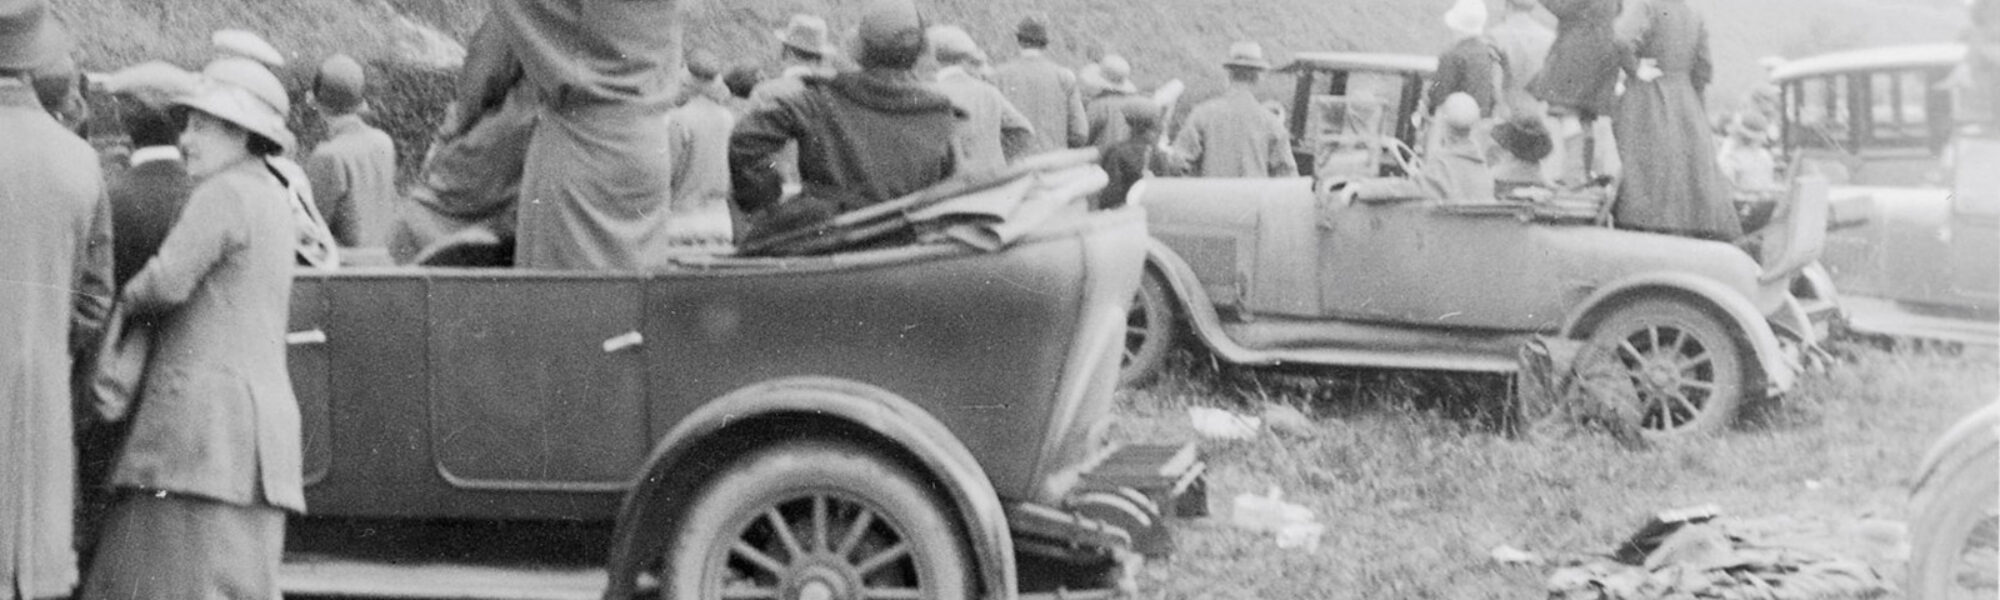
(1582, 67)
(1671, 181)
(55, 287)
(216, 416)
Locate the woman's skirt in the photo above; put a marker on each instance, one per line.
(171, 546)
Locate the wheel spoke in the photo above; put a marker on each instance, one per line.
(785, 535)
(742, 593)
(758, 557)
(893, 593)
(1138, 331)
(1625, 347)
(1653, 334)
(1680, 342)
(1691, 362)
(821, 535)
(854, 533)
(883, 558)
(1696, 384)
(1687, 405)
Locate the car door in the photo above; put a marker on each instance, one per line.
(536, 380)
(311, 367)
(1434, 265)
(1975, 225)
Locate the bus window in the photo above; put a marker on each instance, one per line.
(1820, 113)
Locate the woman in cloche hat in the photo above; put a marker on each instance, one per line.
(211, 465)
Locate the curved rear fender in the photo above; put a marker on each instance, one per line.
(1966, 438)
(689, 453)
(1779, 373)
(1188, 294)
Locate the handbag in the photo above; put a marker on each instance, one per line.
(120, 366)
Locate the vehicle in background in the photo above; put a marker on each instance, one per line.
(1351, 110)
(1356, 267)
(1913, 244)
(922, 421)
(1955, 513)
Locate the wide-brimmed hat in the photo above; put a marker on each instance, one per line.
(244, 93)
(29, 38)
(1112, 73)
(1751, 126)
(238, 42)
(1468, 17)
(1459, 111)
(805, 33)
(155, 84)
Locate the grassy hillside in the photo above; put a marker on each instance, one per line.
(1165, 39)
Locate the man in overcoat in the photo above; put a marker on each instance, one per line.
(864, 137)
(1044, 91)
(55, 279)
(592, 194)
(1234, 136)
(993, 132)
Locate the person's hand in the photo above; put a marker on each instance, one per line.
(1649, 69)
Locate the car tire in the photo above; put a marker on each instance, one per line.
(1686, 366)
(1150, 333)
(1953, 530)
(802, 515)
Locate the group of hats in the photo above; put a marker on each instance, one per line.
(884, 24)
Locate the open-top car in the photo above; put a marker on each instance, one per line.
(1361, 267)
(916, 421)
(1914, 246)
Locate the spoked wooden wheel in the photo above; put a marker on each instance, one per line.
(816, 521)
(1685, 365)
(1149, 333)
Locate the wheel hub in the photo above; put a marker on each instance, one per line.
(1660, 376)
(821, 581)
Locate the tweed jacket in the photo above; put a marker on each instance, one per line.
(216, 415)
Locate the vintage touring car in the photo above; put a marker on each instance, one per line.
(1357, 267)
(920, 421)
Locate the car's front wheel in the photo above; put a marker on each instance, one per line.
(1149, 333)
(1685, 365)
(1955, 531)
(817, 520)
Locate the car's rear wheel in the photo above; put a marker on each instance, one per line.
(1955, 530)
(816, 520)
(1685, 365)
(1149, 333)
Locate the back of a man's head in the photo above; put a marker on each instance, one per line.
(146, 124)
(891, 35)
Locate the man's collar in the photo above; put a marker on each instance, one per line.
(155, 153)
(343, 124)
(1032, 53)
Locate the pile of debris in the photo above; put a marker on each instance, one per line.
(1687, 553)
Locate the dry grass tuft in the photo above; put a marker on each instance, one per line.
(1415, 493)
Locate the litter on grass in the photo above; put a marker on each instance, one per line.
(1690, 553)
(1293, 525)
(1218, 424)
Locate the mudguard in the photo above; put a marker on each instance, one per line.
(1779, 373)
(649, 507)
(1966, 438)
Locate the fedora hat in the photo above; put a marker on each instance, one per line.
(245, 94)
(29, 39)
(805, 33)
(1467, 17)
(1247, 55)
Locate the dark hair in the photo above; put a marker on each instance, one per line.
(1524, 137)
(1245, 74)
(795, 53)
(262, 146)
(1032, 33)
(146, 125)
(741, 80)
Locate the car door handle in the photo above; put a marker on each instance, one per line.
(624, 341)
(304, 338)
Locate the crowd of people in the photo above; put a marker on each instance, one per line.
(583, 136)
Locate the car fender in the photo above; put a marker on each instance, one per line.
(1966, 438)
(1780, 373)
(893, 419)
(1193, 301)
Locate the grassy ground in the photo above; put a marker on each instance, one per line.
(1414, 497)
